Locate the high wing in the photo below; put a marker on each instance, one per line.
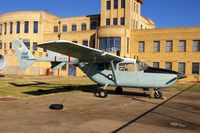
(83, 53)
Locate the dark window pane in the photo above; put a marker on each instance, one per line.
(55, 29)
(181, 67)
(195, 68)
(35, 27)
(168, 65)
(108, 5)
(93, 25)
(5, 28)
(85, 42)
(114, 21)
(26, 26)
(11, 27)
(115, 4)
(141, 46)
(10, 46)
(110, 44)
(107, 21)
(74, 27)
(156, 46)
(84, 27)
(169, 46)
(122, 21)
(196, 46)
(64, 28)
(182, 46)
(18, 27)
(122, 3)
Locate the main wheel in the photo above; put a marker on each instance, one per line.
(103, 94)
(118, 90)
(158, 94)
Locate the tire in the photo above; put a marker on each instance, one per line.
(103, 94)
(118, 90)
(56, 106)
(157, 94)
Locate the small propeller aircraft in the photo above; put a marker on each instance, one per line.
(2, 62)
(109, 69)
(26, 59)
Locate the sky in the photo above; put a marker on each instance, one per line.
(165, 13)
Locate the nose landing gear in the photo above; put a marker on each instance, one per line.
(157, 93)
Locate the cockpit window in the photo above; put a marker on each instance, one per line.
(126, 67)
(141, 65)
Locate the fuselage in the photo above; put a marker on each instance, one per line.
(130, 73)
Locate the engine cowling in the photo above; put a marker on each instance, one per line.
(2, 62)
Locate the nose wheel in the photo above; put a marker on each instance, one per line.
(157, 93)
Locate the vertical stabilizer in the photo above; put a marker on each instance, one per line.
(26, 59)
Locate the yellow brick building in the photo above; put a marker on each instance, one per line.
(119, 29)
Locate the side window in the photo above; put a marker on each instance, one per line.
(129, 67)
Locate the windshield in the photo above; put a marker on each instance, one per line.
(142, 65)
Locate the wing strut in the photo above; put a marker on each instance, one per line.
(114, 72)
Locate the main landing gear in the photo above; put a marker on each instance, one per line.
(157, 93)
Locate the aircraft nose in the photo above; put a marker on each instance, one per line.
(181, 76)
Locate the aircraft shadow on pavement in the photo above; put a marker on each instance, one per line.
(84, 88)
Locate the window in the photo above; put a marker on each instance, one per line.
(156, 46)
(26, 26)
(168, 65)
(122, 21)
(85, 42)
(5, 28)
(196, 46)
(83, 27)
(156, 64)
(74, 27)
(115, 4)
(35, 27)
(128, 45)
(1, 46)
(27, 44)
(141, 46)
(11, 27)
(169, 46)
(55, 29)
(18, 27)
(108, 5)
(64, 28)
(122, 3)
(93, 25)
(10, 45)
(129, 67)
(107, 21)
(114, 21)
(4, 45)
(182, 46)
(109, 44)
(195, 68)
(64, 67)
(0, 29)
(181, 67)
(34, 46)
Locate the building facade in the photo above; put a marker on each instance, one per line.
(119, 29)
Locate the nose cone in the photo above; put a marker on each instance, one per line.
(181, 76)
